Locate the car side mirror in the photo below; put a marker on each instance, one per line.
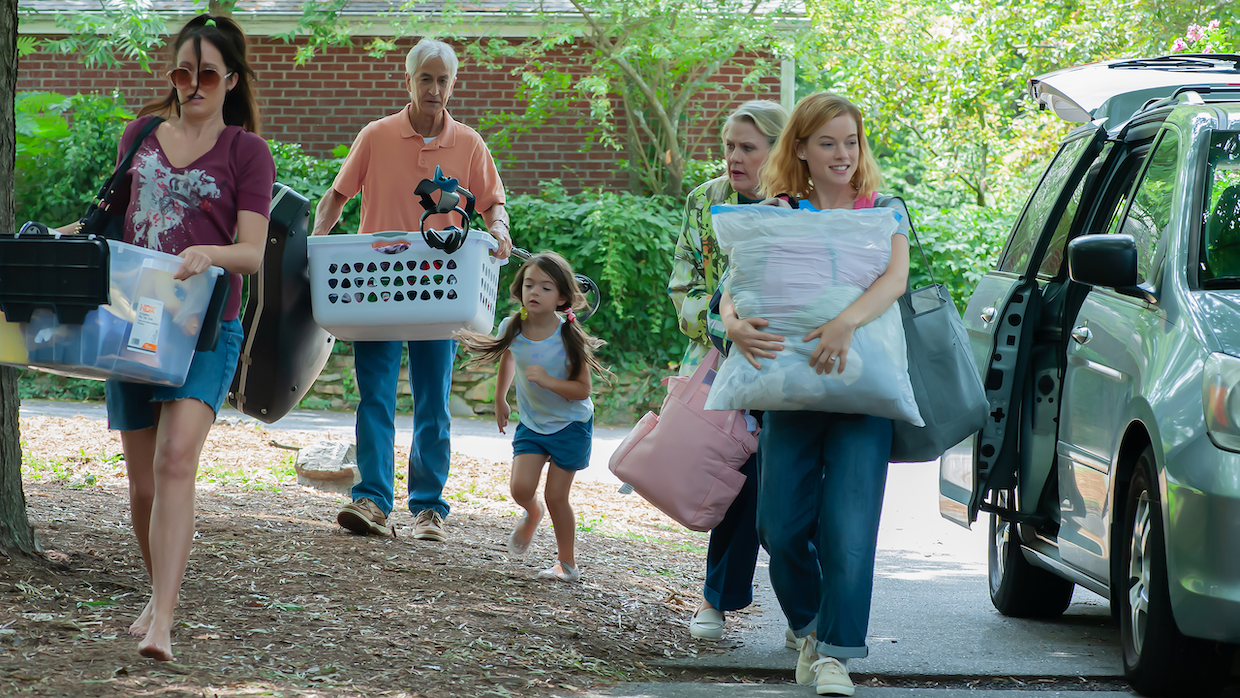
(1103, 260)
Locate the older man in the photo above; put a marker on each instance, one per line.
(388, 159)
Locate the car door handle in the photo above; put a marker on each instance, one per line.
(1081, 334)
(988, 315)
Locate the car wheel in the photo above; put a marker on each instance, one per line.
(1017, 588)
(1158, 659)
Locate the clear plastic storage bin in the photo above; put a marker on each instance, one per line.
(146, 333)
(393, 286)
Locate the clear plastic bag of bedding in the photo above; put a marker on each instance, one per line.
(798, 269)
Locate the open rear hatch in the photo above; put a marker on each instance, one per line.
(1115, 90)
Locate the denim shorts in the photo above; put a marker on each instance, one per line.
(569, 447)
(210, 376)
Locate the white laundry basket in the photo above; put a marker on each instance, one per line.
(393, 286)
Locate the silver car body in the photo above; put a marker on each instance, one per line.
(1132, 377)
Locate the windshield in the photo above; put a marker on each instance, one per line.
(1220, 241)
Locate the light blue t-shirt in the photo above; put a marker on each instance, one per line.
(543, 410)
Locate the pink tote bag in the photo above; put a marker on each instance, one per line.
(686, 460)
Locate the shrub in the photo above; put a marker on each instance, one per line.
(625, 244)
(961, 243)
(66, 148)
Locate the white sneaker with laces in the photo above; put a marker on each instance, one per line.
(806, 660)
(833, 678)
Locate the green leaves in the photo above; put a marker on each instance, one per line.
(125, 30)
(622, 241)
(66, 147)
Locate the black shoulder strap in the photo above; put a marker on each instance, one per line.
(109, 186)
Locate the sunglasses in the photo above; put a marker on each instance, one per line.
(208, 78)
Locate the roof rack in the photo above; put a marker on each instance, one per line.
(1193, 94)
(1184, 63)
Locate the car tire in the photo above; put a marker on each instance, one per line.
(1159, 660)
(1017, 588)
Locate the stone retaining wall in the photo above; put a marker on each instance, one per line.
(473, 392)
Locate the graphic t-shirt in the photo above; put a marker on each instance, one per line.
(174, 208)
(543, 410)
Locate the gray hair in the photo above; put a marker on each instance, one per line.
(767, 116)
(427, 49)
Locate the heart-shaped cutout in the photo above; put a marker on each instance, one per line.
(439, 293)
(333, 297)
(331, 283)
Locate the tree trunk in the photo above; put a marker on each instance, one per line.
(16, 533)
(220, 8)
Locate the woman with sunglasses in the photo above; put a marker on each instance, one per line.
(199, 187)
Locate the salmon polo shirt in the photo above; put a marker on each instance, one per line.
(388, 160)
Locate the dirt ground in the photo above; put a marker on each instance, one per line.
(279, 600)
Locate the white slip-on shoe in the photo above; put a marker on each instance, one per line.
(833, 678)
(805, 660)
(707, 624)
(568, 573)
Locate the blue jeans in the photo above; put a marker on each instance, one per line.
(822, 482)
(377, 365)
(733, 550)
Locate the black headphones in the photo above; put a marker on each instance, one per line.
(450, 193)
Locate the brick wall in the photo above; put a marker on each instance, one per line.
(323, 104)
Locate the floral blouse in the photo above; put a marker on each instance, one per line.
(697, 268)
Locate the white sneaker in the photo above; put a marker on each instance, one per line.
(790, 640)
(833, 679)
(707, 624)
(807, 659)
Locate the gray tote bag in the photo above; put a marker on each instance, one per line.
(945, 380)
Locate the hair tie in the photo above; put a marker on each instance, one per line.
(525, 314)
(572, 317)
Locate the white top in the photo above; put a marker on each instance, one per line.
(542, 410)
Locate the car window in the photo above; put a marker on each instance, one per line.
(1053, 260)
(1220, 240)
(1038, 212)
(1150, 211)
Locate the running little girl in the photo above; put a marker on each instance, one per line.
(551, 359)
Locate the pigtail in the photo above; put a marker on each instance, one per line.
(579, 345)
(485, 348)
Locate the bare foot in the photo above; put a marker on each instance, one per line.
(158, 642)
(143, 623)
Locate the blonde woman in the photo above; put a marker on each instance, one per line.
(748, 135)
(821, 484)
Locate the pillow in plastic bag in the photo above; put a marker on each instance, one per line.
(799, 269)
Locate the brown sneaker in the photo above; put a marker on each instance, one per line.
(363, 516)
(428, 525)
